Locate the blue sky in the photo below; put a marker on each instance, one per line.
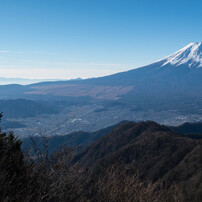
(88, 38)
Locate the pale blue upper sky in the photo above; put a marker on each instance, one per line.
(86, 38)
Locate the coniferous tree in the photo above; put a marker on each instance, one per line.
(12, 168)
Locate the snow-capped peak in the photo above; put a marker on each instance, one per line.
(190, 55)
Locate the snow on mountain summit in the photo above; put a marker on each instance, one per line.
(190, 55)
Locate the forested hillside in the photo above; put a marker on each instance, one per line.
(134, 162)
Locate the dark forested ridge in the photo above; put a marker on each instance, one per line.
(156, 151)
(23, 108)
(192, 130)
(12, 124)
(141, 161)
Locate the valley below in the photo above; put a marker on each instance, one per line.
(90, 118)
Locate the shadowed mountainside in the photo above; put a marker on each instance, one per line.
(22, 108)
(155, 150)
(190, 129)
(141, 161)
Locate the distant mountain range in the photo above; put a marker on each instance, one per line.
(24, 81)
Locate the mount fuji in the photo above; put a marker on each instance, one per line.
(167, 91)
(184, 66)
(191, 56)
(176, 79)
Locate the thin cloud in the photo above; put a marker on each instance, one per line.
(88, 64)
(36, 73)
(26, 60)
(39, 52)
(103, 64)
(4, 51)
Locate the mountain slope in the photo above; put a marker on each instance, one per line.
(191, 55)
(179, 73)
(158, 153)
(192, 130)
(173, 83)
